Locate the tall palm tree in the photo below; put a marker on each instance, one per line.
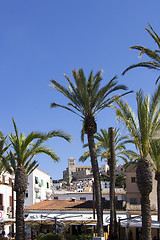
(86, 100)
(111, 141)
(112, 164)
(103, 146)
(142, 129)
(154, 55)
(155, 157)
(22, 151)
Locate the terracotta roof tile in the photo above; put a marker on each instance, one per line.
(59, 205)
(67, 205)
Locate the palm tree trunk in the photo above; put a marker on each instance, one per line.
(112, 164)
(20, 188)
(146, 218)
(144, 182)
(97, 183)
(20, 233)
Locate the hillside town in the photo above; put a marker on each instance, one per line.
(80, 120)
(70, 201)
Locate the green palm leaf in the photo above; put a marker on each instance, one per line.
(153, 55)
(102, 146)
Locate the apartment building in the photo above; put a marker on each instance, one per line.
(87, 195)
(39, 187)
(7, 200)
(133, 197)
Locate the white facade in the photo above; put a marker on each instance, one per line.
(61, 195)
(105, 185)
(38, 190)
(6, 196)
(120, 169)
(38, 187)
(104, 168)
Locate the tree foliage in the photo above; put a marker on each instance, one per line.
(154, 55)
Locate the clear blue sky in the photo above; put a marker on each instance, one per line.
(42, 40)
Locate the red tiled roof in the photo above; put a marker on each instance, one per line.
(56, 204)
(59, 205)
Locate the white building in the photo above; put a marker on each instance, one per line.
(120, 169)
(104, 169)
(7, 200)
(105, 185)
(39, 187)
(88, 195)
(76, 213)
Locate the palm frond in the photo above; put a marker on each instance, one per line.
(12, 160)
(53, 105)
(153, 55)
(44, 150)
(127, 117)
(154, 35)
(103, 146)
(155, 154)
(31, 166)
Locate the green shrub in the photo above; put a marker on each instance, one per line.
(79, 237)
(71, 237)
(50, 236)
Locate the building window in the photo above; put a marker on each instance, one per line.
(1, 201)
(56, 198)
(36, 180)
(133, 179)
(82, 198)
(36, 195)
(26, 194)
(133, 200)
(47, 184)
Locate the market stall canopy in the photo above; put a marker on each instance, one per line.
(137, 222)
(7, 221)
(68, 218)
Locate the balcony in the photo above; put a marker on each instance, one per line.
(37, 187)
(48, 191)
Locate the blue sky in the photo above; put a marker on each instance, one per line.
(42, 40)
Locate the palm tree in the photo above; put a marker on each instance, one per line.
(112, 164)
(155, 157)
(103, 146)
(142, 129)
(111, 141)
(22, 151)
(86, 100)
(154, 55)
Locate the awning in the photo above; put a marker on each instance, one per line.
(84, 218)
(7, 221)
(137, 222)
(36, 219)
